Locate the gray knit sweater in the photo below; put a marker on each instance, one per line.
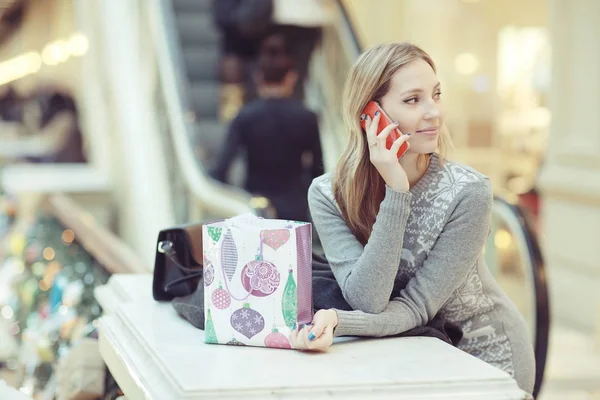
(424, 257)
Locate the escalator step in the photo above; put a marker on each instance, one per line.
(202, 62)
(204, 96)
(197, 29)
(193, 5)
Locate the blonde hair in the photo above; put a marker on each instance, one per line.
(357, 186)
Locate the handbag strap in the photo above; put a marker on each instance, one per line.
(166, 247)
(183, 279)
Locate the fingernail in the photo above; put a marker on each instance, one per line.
(303, 326)
(395, 122)
(311, 336)
(408, 134)
(377, 113)
(294, 327)
(362, 117)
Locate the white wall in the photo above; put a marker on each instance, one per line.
(571, 175)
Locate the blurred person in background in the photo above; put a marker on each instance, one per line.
(11, 115)
(279, 135)
(11, 104)
(245, 23)
(41, 126)
(301, 22)
(404, 236)
(52, 115)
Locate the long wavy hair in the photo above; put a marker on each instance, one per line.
(357, 186)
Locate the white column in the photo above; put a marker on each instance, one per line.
(139, 167)
(93, 110)
(570, 179)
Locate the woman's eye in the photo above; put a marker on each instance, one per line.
(412, 100)
(437, 95)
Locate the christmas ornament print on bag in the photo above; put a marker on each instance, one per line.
(247, 321)
(275, 238)
(260, 278)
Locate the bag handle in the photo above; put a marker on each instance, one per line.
(229, 290)
(258, 257)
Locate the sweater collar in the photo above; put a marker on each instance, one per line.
(426, 180)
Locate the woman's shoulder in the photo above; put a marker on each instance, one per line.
(462, 171)
(452, 184)
(322, 186)
(321, 191)
(460, 180)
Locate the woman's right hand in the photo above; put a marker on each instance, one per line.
(386, 161)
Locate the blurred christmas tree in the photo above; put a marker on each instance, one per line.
(50, 302)
(8, 210)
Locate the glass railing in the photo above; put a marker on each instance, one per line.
(515, 259)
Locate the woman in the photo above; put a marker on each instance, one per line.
(279, 135)
(405, 238)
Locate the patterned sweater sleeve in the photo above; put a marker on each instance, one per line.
(365, 274)
(446, 268)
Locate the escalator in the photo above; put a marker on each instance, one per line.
(199, 55)
(186, 100)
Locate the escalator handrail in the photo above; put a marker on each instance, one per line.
(220, 198)
(104, 246)
(328, 69)
(521, 221)
(355, 44)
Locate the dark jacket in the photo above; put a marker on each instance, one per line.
(276, 135)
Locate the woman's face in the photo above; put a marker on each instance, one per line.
(414, 101)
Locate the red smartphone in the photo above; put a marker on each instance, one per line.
(384, 121)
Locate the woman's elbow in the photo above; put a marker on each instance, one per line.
(365, 303)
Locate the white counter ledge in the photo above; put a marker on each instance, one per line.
(155, 354)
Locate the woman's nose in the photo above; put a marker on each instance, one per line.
(432, 111)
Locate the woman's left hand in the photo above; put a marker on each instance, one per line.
(319, 336)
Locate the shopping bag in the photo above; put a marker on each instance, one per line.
(257, 280)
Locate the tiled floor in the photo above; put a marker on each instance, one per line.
(573, 368)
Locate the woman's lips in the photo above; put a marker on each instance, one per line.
(429, 131)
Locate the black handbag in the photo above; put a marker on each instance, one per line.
(178, 262)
